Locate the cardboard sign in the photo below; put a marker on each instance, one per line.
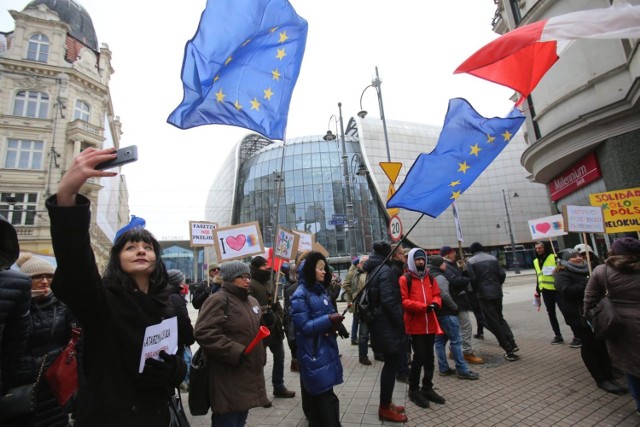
(159, 337)
(583, 219)
(305, 241)
(201, 233)
(549, 226)
(621, 209)
(286, 244)
(238, 241)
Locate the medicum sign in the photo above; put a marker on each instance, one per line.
(583, 219)
(621, 209)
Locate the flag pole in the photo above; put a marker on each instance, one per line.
(277, 214)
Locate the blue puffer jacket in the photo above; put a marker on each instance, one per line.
(318, 356)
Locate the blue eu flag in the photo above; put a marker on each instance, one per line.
(241, 66)
(467, 145)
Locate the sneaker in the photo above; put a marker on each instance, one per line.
(622, 388)
(184, 386)
(433, 396)
(284, 393)
(610, 387)
(473, 359)
(478, 336)
(514, 347)
(448, 372)
(391, 414)
(576, 343)
(469, 376)
(557, 340)
(510, 356)
(419, 399)
(365, 361)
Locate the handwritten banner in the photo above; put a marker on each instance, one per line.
(286, 244)
(305, 243)
(621, 209)
(583, 219)
(549, 226)
(201, 233)
(160, 337)
(238, 241)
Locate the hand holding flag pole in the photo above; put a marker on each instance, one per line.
(263, 332)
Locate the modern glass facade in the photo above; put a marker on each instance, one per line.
(301, 186)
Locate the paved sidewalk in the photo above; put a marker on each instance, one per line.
(548, 386)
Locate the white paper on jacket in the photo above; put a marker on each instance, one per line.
(162, 336)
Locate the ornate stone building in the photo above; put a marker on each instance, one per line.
(55, 102)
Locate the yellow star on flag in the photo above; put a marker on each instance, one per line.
(454, 183)
(490, 139)
(506, 135)
(276, 74)
(255, 105)
(237, 105)
(475, 150)
(220, 96)
(216, 78)
(228, 60)
(283, 37)
(273, 30)
(463, 167)
(455, 195)
(268, 94)
(281, 54)
(246, 42)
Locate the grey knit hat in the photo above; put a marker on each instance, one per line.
(231, 269)
(33, 265)
(176, 277)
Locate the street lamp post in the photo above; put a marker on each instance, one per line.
(516, 265)
(346, 180)
(377, 84)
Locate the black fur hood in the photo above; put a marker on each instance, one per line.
(309, 267)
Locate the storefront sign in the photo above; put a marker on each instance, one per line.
(580, 174)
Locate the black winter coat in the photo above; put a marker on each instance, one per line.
(185, 328)
(570, 284)
(487, 275)
(387, 327)
(263, 290)
(459, 286)
(15, 298)
(114, 319)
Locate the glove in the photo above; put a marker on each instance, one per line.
(336, 320)
(432, 307)
(342, 331)
(170, 371)
(269, 318)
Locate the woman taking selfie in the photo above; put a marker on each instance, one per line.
(114, 310)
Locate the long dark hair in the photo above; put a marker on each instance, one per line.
(158, 279)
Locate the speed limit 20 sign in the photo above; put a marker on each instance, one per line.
(395, 228)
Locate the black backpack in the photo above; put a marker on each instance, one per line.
(363, 306)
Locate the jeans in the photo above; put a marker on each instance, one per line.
(634, 389)
(277, 373)
(422, 356)
(231, 419)
(451, 328)
(466, 331)
(363, 340)
(550, 299)
(354, 329)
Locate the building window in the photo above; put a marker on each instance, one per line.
(24, 154)
(515, 9)
(38, 48)
(19, 208)
(31, 104)
(81, 111)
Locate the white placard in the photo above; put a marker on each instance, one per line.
(286, 244)
(163, 336)
(583, 219)
(202, 233)
(549, 226)
(238, 241)
(305, 243)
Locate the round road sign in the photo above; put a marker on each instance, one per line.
(395, 228)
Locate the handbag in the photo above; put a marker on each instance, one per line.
(20, 401)
(62, 375)
(604, 320)
(199, 384)
(176, 410)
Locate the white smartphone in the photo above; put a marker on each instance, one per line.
(125, 155)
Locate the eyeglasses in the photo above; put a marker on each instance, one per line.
(244, 277)
(215, 269)
(41, 277)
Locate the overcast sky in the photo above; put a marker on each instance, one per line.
(416, 45)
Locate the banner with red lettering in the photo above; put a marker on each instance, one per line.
(621, 209)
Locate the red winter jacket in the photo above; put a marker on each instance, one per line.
(423, 292)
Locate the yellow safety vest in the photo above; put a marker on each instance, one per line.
(546, 281)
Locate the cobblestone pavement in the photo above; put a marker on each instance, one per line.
(548, 386)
